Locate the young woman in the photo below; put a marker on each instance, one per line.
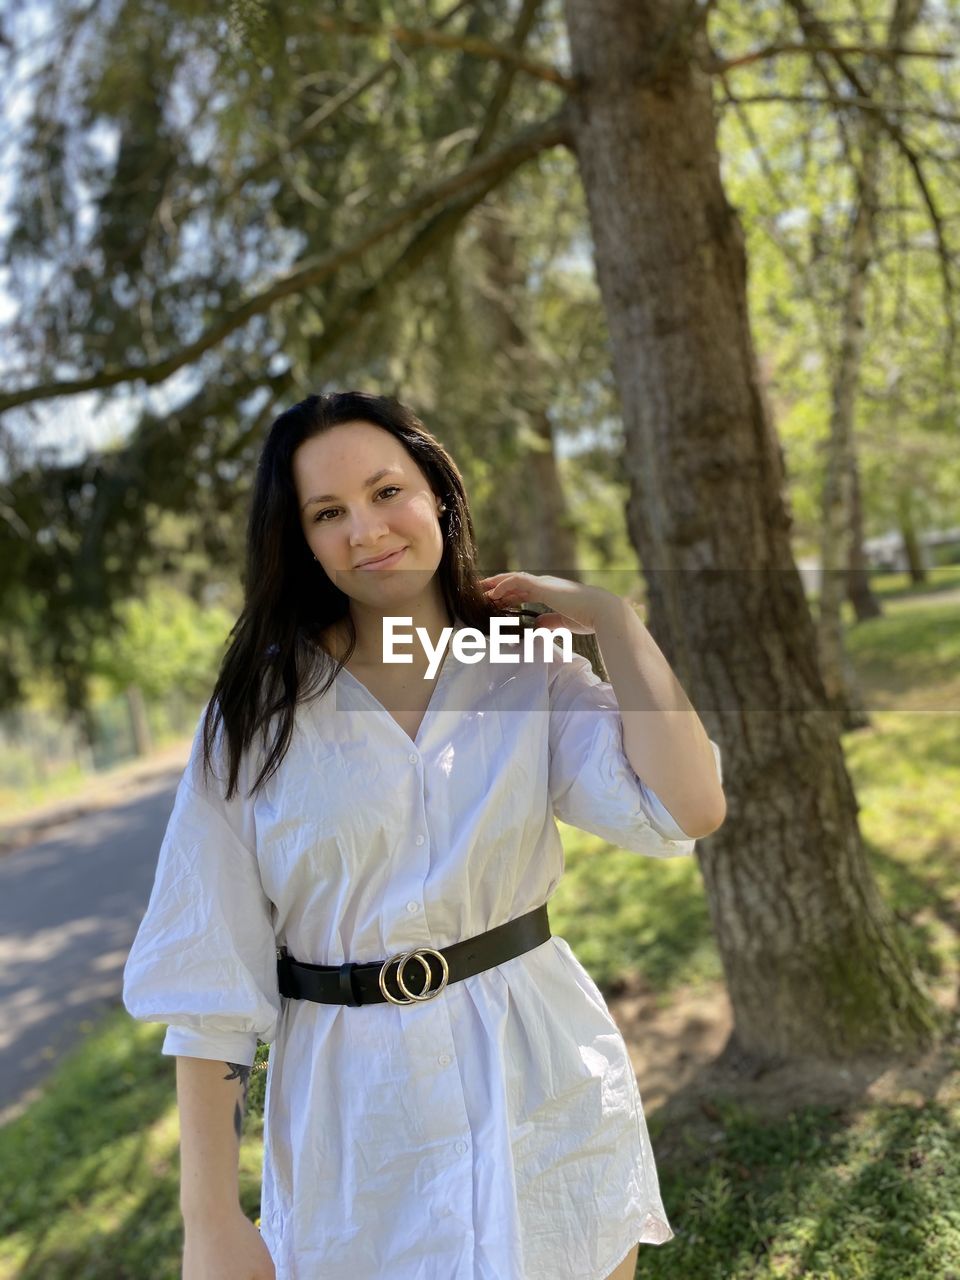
(356, 872)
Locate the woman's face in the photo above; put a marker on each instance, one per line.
(346, 520)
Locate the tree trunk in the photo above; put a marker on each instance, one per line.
(836, 501)
(843, 691)
(814, 962)
(542, 532)
(859, 591)
(547, 529)
(912, 550)
(139, 722)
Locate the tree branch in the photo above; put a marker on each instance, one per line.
(291, 143)
(241, 384)
(484, 172)
(717, 65)
(814, 29)
(768, 225)
(865, 104)
(473, 45)
(347, 312)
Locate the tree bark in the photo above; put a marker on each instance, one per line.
(542, 533)
(912, 549)
(139, 721)
(814, 962)
(836, 500)
(860, 593)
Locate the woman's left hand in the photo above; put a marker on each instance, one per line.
(576, 606)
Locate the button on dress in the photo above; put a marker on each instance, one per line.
(494, 1132)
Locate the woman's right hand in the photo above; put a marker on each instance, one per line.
(225, 1247)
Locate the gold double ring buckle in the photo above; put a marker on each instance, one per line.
(401, 959)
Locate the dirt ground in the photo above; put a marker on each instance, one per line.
(678, 1056)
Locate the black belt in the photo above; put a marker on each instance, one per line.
(377, 982)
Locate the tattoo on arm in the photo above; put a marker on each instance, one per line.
(239, 1072)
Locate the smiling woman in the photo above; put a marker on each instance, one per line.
(373, 527)
(395, 845)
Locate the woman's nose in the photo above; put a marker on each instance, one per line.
(365, 525)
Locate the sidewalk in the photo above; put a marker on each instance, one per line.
(101, 791)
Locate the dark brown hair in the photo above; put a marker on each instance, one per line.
(275, 658)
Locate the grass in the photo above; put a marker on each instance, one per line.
(842, 1192)
(837, 1193)
(90, 1171)
(69, 780)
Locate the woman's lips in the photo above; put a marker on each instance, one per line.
(385, 563)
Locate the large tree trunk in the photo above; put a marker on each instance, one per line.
(813, 959)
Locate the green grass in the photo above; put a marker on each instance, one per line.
(90, 1170)
(863, 1189)
(17, 800)
(837, 1193)
(69, 780)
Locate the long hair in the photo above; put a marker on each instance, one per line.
(274, 659)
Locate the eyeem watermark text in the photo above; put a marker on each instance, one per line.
(470, 644)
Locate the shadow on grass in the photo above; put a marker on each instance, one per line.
(823, 1191)
(928, 882)
(908, 654)
(895, 1198)
(90, 1171)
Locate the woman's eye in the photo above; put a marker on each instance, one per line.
(320, 514)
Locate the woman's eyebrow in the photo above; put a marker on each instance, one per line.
(332, 497)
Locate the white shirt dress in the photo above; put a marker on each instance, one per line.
(494, 1132)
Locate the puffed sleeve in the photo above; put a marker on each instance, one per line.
(204, 959)
(592, 784)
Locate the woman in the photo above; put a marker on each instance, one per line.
(365, 889)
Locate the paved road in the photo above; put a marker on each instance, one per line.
(70, 906)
